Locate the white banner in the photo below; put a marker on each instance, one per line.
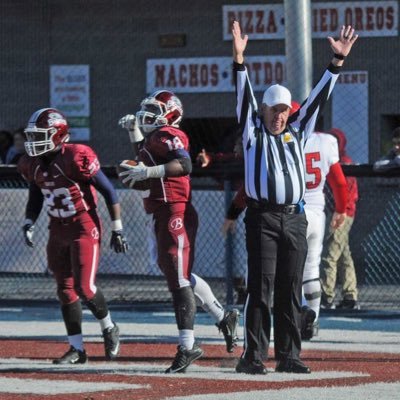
(211, 74)
(69, 93)
(259, 21)
(350, 112)
(266, 21)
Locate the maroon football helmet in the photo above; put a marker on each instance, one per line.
(161, 108)
(47, 129)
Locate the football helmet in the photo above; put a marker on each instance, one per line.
(47, 129)
(295, 107)
(161, 108)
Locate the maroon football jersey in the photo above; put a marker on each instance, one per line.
(159, 148)
(64, 180)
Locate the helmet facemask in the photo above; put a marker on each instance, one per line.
(151, 115)
(155, 113)
(39, 141)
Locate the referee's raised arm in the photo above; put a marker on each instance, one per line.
(305, 118)
(246, 103)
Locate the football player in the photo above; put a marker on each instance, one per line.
(163, 169)
(64, 177)
(322, 164)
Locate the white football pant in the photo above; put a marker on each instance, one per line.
(315, 237)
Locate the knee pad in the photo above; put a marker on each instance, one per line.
(97, 305)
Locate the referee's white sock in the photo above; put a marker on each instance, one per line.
(205, 296)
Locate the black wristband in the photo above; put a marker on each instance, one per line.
(339, 56)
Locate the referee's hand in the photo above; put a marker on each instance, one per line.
(343, 45)
(239, 43)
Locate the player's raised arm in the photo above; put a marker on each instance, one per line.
(239, 43)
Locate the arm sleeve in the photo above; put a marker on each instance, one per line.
(338, 184)
(246, 107)
(35, 202)
(306, 117)
(238, 204)
(183, 158)
(105, 187)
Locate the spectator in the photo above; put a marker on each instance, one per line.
(337, 257)
(6, 141)
(392, 159)
(232, 150)
(18, 148)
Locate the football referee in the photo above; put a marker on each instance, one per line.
(275, 222)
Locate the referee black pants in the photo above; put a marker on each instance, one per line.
(277, 248)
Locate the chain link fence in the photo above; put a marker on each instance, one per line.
(135, 278)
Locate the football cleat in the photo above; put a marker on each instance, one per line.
(111, 342)
(72, 356)
(184, 358)
(308, 317)
(228, 326)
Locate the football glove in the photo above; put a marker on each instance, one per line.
(140, 172)
(129, 122)
(118, 242)
(28, 234)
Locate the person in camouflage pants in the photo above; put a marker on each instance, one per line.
(337, 258)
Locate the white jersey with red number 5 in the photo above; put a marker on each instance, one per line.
(321, 152)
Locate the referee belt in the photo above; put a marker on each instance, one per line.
(265, 205)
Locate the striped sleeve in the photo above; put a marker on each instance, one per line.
(246, 111)
(246, 108)
(305, 118)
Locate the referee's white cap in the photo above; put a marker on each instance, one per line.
(277, 94)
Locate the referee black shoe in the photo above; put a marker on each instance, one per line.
(111, 342)
(72, 356)
(253, 367)
(292, 366)
(228, 326)
(184, 358)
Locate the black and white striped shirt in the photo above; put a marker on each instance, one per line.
(274, 164)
